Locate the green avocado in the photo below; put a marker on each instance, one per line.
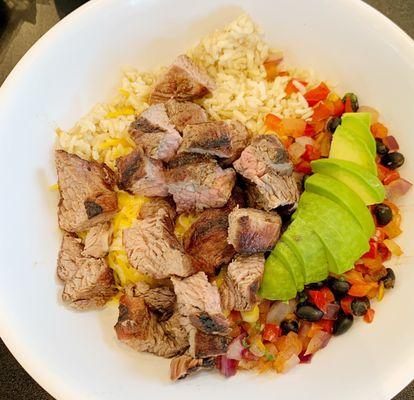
(283, 252)
(277, 282)
(308, 249)
(339, 232)
(347, 146)
(365, 184)
(357, 124)
(341, 194)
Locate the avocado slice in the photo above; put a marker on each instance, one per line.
(357, 124)
(341, 194)
(365, 184)
(277, 282)
(347, 146)
(283, 252)
(342, 236)
(308, 249)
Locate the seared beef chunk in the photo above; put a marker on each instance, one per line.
(198, 302)
(183, 366)
(87, 194)
(253, 231)
(185, 113)
(140, 328)
(267, 170)
(88, 281)
(210, 323)
(154, 132)
(236, 199)
(153, 249)
(97, 240)
(241, 283)
(141, 175)
(160, 300)
(151, 208)
(183, 81)
(198, 182)
(206, 241)
(223, 139)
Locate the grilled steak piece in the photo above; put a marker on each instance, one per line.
(87, 195)
(197, 182)
(97, 240)
(154, 132)
(151, 208)
(183, 366)
(153, 249)
(241, 283)
(253, 231)
(160, 300)
(141, 175)
(88, 280)
(206, 241)
(223, 139)
(267, 170)
(183, 81)
(140, 329)
(198, 303)
(185, 113)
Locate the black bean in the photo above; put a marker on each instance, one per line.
(354, 101)
(381, 147)
(360, 306)
(383, 214)
(289, 325)
(309, 313)
(316, 285)
(389, 279)
(339, 287)
(392, 160)
(342, 324)
(333, 123)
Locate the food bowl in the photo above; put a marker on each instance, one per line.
(78, 63)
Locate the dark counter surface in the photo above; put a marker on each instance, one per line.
(22, 22)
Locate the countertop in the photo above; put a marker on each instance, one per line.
(22, 22)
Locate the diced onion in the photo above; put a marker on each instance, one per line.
(319, 340)
(235, 348)
(279, 310)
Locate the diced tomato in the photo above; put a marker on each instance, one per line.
(325, 325)
(391, 176)
(384, 252)
(348, 105)
(271, 332)
(272, 122)
(292, 127)
(328, 295)
(309, 130)
(311, 153)
(354, 276)
(317, 94)
(346, 304)
(369, 316)
(304, 167)
(287, 140)
(379, 130)
(339, 107)
(319, 299)
(291, 87)
(373, 250)
(323, 110)
(361, 289)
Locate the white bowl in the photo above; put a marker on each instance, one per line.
(76, 64)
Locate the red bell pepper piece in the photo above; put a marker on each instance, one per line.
(348, 105)
(309, 130)
(271, 332)
(317, 94)
(346, 304)
(272, 121)
(369, 316)
(373, 250)
(304, 167)
(311, 153)
(319, 299)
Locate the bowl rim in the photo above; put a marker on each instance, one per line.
(403, 42)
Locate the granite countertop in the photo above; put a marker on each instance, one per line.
(22, 22)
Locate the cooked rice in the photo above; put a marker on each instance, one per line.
(234, 56)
